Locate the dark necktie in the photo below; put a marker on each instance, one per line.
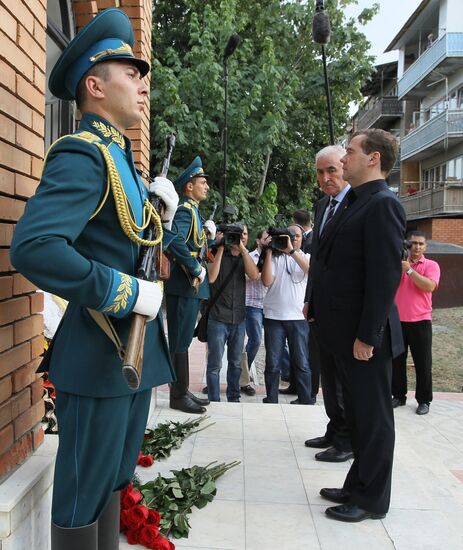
(331, 209)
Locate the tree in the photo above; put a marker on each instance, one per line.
(277, 104)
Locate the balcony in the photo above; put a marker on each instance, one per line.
(445, 54)
(444, 198)
(385, 110)
(442, 130)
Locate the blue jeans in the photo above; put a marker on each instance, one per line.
(297, 334)
(219, 334)
(254, 325)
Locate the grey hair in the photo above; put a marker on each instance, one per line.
(328, 150)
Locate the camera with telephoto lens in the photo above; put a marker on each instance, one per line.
(232, 233)
(406, 245)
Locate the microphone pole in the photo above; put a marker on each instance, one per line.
(231, 46)
(321, 31)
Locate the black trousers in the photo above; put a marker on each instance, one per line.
(369, 415)
(418, 337)
(333, 400)
(314, 357)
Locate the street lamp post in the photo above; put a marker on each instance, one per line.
(321, 31)
(231, 46)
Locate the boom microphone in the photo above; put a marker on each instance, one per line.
(321, 28)
(232, 44)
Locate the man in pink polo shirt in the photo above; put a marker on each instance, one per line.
(420, 277)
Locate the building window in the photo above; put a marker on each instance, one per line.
(59, 114)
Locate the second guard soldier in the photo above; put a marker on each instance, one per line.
(183, 298)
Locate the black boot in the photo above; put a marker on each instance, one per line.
(109, 524)
(192, 396)
(74, 538)
(179, 398)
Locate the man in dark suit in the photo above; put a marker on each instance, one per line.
(336, 440)
(355, 279)
(303, 218)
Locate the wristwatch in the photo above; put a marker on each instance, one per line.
(409, 271)
(291, 252)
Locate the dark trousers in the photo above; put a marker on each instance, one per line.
(418, 337)
(314, 354)
(297, 333)
(99, 442)
(182, 313)
(333, 399)
(370, 419)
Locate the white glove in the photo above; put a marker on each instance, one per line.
(202, 275)
(165, 190)
(149, 299)
(209, 225)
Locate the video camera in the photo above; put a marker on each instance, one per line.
(280, 236)
(232, 233)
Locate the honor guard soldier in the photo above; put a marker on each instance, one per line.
(183, 295)
(86, 220)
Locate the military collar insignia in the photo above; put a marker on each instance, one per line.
(109, 132)
(191, 201)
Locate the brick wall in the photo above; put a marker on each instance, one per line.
(446, 230)
(22, 111)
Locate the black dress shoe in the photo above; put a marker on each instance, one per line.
(396, 402)
(266, 400)
(287, 391)
(186, 404)
(297, 402)
(423, 408)
(248, 390)
(198, 400)
(319, 442)
(333, 455)
(204, 390)
(341, 496)
(351, 513)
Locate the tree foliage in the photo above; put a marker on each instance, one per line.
(277, 114)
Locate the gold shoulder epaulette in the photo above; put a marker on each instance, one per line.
(186, 204)
(87, 136)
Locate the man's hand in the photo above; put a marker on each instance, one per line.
(405, 266)
(289, 247)
(202, 275)
(165, 190)
(362, 351)
(219, 239)
(149, 299)
(305, 310)
(210, 227)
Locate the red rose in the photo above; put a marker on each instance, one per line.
(161, 543)
(145, 460)
(154, 518)
(136, 517)
(130, 497)
(147, 535)
(132, 537)
(123, 519)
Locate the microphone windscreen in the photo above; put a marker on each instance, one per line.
(232, 44)
(321, 28)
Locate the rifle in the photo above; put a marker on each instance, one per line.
(133, 357)
(202, 258)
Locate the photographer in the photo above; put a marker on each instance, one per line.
(226, 324)
(285, 271)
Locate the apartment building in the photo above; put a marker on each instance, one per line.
(32, 35)
(430, 85)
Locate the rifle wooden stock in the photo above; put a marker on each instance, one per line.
(133, 357)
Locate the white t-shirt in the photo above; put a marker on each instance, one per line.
(285, 296)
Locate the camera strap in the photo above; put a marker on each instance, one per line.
(214, 299)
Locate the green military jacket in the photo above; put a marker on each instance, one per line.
(69, 242)
(184, 250)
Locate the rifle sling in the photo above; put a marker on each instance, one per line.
(107, 327)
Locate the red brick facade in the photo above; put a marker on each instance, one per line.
(23, 25)
(446, 230)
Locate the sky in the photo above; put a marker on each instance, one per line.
(385, 25)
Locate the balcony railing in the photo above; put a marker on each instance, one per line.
(448, 45)
(442, 198)
(447, 124)
(387, 107)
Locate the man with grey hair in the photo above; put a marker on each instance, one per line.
(330, 178)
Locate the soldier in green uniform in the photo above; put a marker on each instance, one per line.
(182, 299)
(79, 238)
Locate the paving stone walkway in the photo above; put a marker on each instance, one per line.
(271, 500)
